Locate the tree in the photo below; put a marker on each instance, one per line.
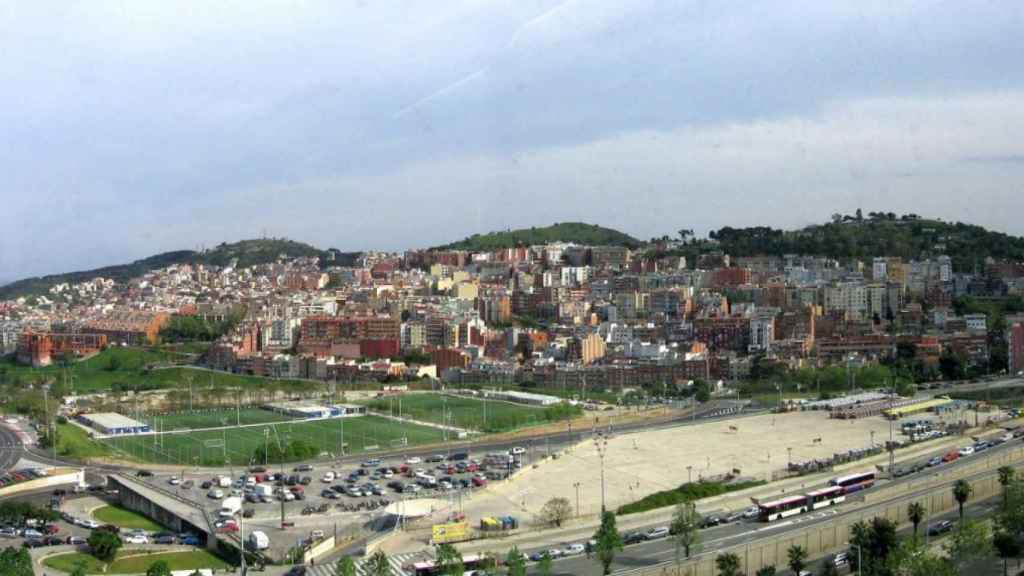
(796, 558)
(15, 562)
(516, 562)
(449, 560)
(969, 542)
(1011, 519)
(828, 568)
(915, 513)
(104, 544)
(378, 564)
(544, 565)
(79, 569)
(877, 540)
(555, 511)
(962, 490)
(158, 568)
(1006, 546)
(702, 391)
(609, 541)
(685, 528)
(911, 558)
(766, 571)
(1006, 474)
(728, 564)
(346, 566)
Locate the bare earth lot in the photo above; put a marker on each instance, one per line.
(638, 464)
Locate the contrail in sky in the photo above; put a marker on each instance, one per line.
(470, 77)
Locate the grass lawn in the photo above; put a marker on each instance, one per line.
(465, 412)
(125, 518)
(75, 442)
(132, 367)
(135, 561)
(360, 434)
(67, 562)
(176, 561)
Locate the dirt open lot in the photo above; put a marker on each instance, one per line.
(638, 464)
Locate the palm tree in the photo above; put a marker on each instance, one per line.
(728, 564)
(1006, 475)
(915, 512)
(962, 490)
(797, 557)
(766, 571)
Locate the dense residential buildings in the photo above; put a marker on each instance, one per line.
(558, 314)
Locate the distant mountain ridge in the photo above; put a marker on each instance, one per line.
(247, 253)
(576, 232)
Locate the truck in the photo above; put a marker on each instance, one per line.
(258, 540)
(229, 507)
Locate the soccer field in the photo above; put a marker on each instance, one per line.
(470, 413)
(212, 418)
(237, 445)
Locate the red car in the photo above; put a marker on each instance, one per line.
(479, 481)
(51, 529)
(296, 489)
(954, 455)
(473, 467)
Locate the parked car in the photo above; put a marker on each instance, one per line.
(633, 538)
(32, 533)
(709, 521)
(215, 494)
(303, 468)
(940, 528)
(136, 539)
(656, 533)
(75, 540)
(164, 538)
(573, 549)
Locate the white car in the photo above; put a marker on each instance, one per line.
(137, 539)
(32, 533)
(317, 534)
(217, 494)
(87, 523)
(174, 480)
(555, 553)
(388, 474)
(327, 477)
(413, 460)
(518, 450)
(655, 533)
(573, 549)
(751, 512)
(967, 450)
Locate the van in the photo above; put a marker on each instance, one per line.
(258, 540)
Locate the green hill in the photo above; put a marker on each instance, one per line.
(577, 232)
(878, 234)
(247, 253)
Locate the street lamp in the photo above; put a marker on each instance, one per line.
(689, 474)
(857, 546)
(789, 453)
(576, 485)
(601, 444)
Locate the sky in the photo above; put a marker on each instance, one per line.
(132, 128)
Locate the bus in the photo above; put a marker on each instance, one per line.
(825, 497)
(854, 482)
(470, 562)
(791, 506)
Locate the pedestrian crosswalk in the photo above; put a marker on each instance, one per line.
(398, 563)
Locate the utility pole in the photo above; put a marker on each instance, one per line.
(577, 486)
(601, 443)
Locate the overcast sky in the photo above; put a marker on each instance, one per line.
(130, 128)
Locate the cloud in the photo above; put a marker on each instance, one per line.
(131, 128)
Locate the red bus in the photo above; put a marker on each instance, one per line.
(826, 497)
(854, 482)
(791, 506)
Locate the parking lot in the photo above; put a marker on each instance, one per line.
(315, 500)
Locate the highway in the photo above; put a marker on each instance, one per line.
(651, 553)
(11, 448)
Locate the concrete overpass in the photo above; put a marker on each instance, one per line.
(163, 506)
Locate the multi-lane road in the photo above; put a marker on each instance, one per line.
(11, 448)
(655, 552)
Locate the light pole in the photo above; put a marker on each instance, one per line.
(689, 474)
(577, 486)
(858, 558)
(789, 456)
(601, 444)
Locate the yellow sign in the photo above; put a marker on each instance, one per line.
(454, 532)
